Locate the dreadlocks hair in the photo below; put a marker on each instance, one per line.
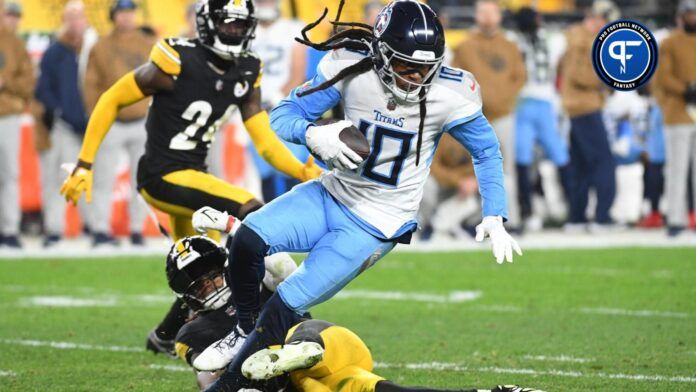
(357, 37)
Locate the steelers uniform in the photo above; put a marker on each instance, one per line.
(347, 364)
(181, 125)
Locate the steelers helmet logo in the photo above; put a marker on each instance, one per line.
(383, 20)
(624, 55)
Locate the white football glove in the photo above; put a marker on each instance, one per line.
(324, 142)
(278, 267)
(502, 243)
(208, 218)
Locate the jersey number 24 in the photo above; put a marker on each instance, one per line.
(198, 113)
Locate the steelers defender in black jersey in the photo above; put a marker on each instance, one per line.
(195, 86)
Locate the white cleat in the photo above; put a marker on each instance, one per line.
(273, 362)
(221, 353)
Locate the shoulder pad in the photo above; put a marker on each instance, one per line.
(337, 60)
(459, 82)
(166, 56)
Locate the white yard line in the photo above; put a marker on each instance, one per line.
(557, 358)
(70, 346)
(114, 300)
(7, 373)
(551, 239)
(440, 366)
(437, 366)
(634, 313)
(170, 368)
(452, 297)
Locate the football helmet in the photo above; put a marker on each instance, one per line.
(410, 32)
(195, 272)
(226, 26)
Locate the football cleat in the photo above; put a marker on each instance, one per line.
(513, 388)
(221, 353)
(273, 362)
(160, 346)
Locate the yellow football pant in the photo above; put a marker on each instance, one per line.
(346, 366)
(182, 192)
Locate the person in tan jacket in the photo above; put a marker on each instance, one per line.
(676, 81)
(450, 194)
(582, 94)
(16, 87)
(499, 68)
(113, 56)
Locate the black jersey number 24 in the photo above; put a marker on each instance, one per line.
(198, 113)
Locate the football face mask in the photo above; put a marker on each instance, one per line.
(209, 292)
(226, 26)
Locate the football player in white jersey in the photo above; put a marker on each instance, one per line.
(391, 81)
(536, 117)
(285, 63)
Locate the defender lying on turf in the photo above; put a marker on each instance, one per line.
(318, 355)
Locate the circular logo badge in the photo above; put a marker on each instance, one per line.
(624, 55)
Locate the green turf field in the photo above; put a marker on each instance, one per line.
(594, 320)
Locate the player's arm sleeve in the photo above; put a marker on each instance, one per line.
(123, 93)
(294, 114)
(477, 135)
(271, 148)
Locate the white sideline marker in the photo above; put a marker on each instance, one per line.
(7, 373)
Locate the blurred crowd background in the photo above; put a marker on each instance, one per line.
(578, 156)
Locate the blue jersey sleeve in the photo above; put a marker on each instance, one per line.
(477, 135)
(294, 114)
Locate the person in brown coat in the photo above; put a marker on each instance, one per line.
(676, 81)
(16, 87)
(114, 55)
(582, 94)
(499, 68)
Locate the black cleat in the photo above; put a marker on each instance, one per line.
(513, 388)
(160, 346)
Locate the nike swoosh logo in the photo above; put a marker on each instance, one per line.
(473, 85)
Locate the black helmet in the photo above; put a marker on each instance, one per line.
(226, 26)
(195, 272)
(411, 32)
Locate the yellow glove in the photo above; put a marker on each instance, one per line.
(80, 180)
(310, 170)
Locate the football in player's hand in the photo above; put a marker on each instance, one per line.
(356, 141)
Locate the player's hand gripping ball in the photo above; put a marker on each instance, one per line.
(340, 145)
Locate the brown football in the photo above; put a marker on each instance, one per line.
(352, 137)
(356, 141)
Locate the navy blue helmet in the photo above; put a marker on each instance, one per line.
(411, 32)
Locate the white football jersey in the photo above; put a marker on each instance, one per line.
(273, 44)
(541, 61)
(386, 190)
